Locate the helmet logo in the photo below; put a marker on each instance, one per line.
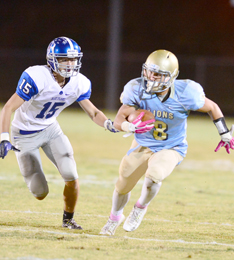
(72, 53)
(153, 67)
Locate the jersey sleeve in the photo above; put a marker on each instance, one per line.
(193, 96)
(26, 87)
(130, 94)
(85, 95)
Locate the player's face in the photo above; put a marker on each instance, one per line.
(156, 80)
(67, 61)
(154, 76)
(67, 65)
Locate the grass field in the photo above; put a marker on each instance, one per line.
(191, 217)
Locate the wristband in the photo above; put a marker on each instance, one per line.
(221, 125)
(5, 137)
(105, 124)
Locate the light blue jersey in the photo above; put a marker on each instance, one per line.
(170, 115)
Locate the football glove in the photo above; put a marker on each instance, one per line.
(108, 125)
(5, 147)
(227, 141)
(137, 126)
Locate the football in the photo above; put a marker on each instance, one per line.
(147, 116)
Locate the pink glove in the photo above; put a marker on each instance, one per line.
(227, 141)
(142, 127)
(227, 145)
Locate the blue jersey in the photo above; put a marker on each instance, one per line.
(170, 115)
(44, 98)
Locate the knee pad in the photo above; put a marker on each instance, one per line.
(151, 185)
(156, 173)
(122, 186)
(38, 185)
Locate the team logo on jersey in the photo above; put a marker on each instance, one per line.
(58, 98)
(163, 114)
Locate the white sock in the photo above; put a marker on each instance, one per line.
(149, 190)
(118, 203)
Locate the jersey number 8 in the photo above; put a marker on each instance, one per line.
(160, 131)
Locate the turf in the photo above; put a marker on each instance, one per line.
(191, 217)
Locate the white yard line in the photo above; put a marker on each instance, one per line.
(181, 241)
(101, 216)
(31, 258)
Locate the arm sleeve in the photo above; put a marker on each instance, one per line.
(193, 97)
(26, 87)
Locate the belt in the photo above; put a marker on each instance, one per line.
(22, 132)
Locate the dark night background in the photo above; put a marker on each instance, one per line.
(200, 33)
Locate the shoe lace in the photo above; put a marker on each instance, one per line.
(72, 222)
(136, 215)
(110, 225)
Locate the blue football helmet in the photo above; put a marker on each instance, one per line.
(63, 47)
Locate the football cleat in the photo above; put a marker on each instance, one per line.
(111, 226)
(71, 224)
(134, 219)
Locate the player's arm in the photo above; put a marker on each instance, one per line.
(12, 104)
(212, 109)
(9, 108)
(93, 112)
(122, 115)
(97, 115)
(216, 115)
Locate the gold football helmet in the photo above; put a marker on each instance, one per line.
(159, 71)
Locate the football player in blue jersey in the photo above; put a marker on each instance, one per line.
(42, 93)
(156, 151)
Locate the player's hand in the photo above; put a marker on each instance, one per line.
(5, 147)
(137, 126)
(108, 125)
(142, 127)
(227, 141)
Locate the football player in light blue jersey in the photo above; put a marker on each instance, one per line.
(42, 93)
(156, 151)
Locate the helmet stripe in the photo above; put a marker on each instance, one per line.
(52, 47)
(70, 43)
